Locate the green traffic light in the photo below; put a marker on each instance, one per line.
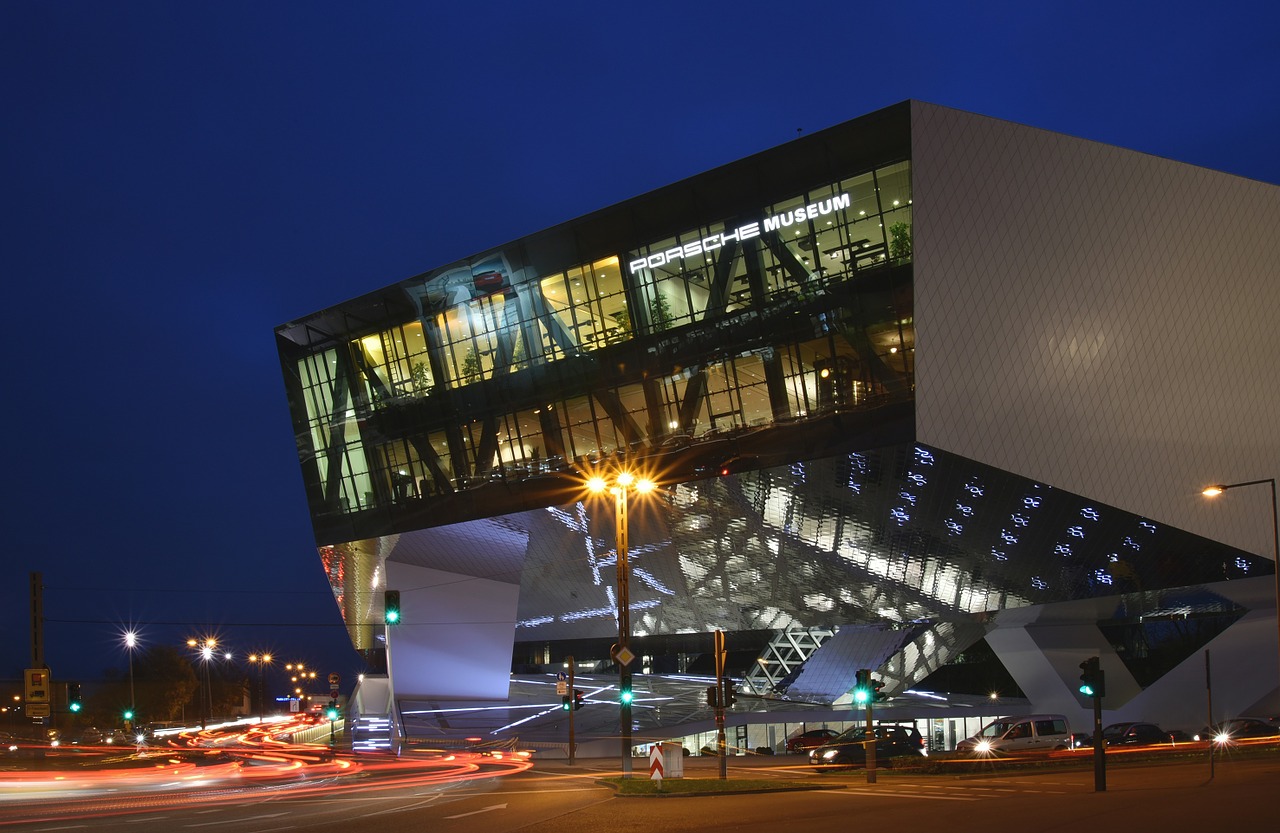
(861, 695)
(1086, 690)
(128, 715)
(75, 707)
(393, 616)
(625, 696)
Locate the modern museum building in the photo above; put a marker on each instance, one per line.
(926, 393)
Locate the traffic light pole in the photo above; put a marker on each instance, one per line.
(573, 707)
(720, 704)
(869, 743)
(1099, 748)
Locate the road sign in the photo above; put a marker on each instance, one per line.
(624, 656)
(38, 710)
(334, 679)
(562, 676)
(36, 682)
(655, 763)
(562, 688)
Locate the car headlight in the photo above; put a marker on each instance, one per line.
(982, 746)
(829, 754)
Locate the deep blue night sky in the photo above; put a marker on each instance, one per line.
(179, 178)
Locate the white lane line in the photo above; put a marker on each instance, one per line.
(401, 808)
(884, 794)
(490, 808)
(238, 820)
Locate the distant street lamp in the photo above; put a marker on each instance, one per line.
(131, 642)
(261, 661)
(205, 648)
(1214, 491)
(622, 485)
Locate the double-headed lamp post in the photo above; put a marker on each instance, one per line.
(620, 486)
(205, 648)
(1214, 491)
(262, 661)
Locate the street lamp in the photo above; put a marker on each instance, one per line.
(131, 642)
(205, 647)
(261, 661)
(623, 483)
(1214, 491)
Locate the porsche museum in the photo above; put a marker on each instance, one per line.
(926, 393)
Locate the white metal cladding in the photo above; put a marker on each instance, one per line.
(1098, 319)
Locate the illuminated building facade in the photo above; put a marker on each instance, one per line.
(919, 380)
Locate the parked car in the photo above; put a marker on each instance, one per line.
(1020, 734)
(849, 747)
(1238, 728)
(1133, 733)
(805, 741)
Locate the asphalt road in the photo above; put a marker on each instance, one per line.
(554, 798)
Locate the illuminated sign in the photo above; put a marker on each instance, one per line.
(37, 685)
(812, 211)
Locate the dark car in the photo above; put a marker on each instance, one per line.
(805, 741)
(1136, 734)
(1238, 728)
(849, 747)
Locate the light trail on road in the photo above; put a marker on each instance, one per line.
(208, 769)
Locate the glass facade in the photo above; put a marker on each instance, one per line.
(513, 372)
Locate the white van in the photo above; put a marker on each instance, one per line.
(1020, 734)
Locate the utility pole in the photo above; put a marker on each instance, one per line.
(37, 621)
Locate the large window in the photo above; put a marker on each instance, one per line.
(785, 312)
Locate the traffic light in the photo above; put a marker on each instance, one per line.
(391, 607)
(74, 703)
(712, 700)
(332, 711)
(862, 691)
(730, 696)
(1093, 682)
(128, 714)
(625, 696)
(577, 700)
(565, 702)
(877, 695)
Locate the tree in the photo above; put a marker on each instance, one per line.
(164, 682)
(899, 243)
(659, 312)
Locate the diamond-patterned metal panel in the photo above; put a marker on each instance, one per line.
(1097, 319)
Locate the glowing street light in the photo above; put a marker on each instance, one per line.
(624, 482)
(131, 642)
(205, 649)
(261, 661)
(1217, 489)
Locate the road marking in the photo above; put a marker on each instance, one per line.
(478, 812)
(238, 820)
(400, 808)
(888, 794)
